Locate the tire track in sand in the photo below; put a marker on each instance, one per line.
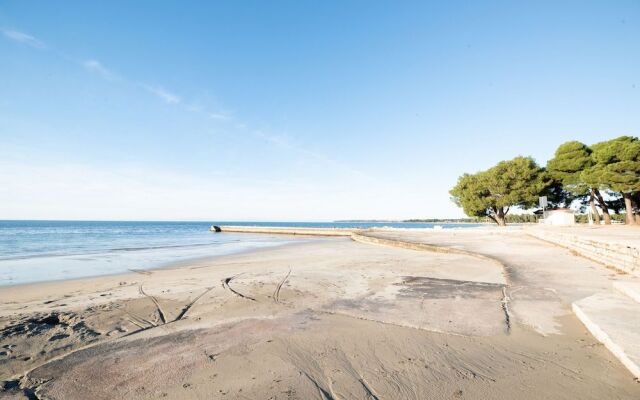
(276, 293)
(227, 281)
(157, 304)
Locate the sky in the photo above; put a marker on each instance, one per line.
(296, 110)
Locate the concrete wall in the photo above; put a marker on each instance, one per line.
(624, 257)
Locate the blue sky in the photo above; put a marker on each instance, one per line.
(296, 110)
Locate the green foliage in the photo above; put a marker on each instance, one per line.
(557, 195)
(617, 165)
(577, 172)
(518, 182)
(523, 218)
(471, 193)
(571, 158)
(510, 219)
(584, 218)
(513, 183)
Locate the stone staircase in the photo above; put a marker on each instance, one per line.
(614, 319)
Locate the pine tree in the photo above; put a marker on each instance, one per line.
(491, 193)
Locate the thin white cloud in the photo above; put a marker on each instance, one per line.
(23, 38)
(198, 108)
(194, 108)
(216, 115)
(98, 68)
(277, 140)
(163, 94)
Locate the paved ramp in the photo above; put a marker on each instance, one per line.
(614, 319)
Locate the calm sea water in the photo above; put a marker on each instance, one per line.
(32, 251)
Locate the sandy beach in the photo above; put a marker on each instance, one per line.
(319, 200)
(484, 314)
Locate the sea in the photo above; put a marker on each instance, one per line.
(36, 251)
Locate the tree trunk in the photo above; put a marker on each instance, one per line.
(627, 204)
(500, 217)
(603, 206)
(594, 210)
(634, 206)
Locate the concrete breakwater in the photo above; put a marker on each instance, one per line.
(358, 235)
(288, 230)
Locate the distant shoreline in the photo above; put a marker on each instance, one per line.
(409, 221)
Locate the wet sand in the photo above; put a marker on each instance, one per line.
(331, 319)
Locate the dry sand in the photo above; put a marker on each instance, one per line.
(332, 319)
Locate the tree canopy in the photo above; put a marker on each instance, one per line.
(617, 168)
(606, 174)
(617, 164)
(571, 158)
(492, 193)
(570, 162)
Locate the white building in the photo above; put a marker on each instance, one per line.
(561, 216)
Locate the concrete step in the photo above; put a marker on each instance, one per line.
(630, 289)
(613, 319)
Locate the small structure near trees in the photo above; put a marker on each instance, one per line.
(559, 217)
